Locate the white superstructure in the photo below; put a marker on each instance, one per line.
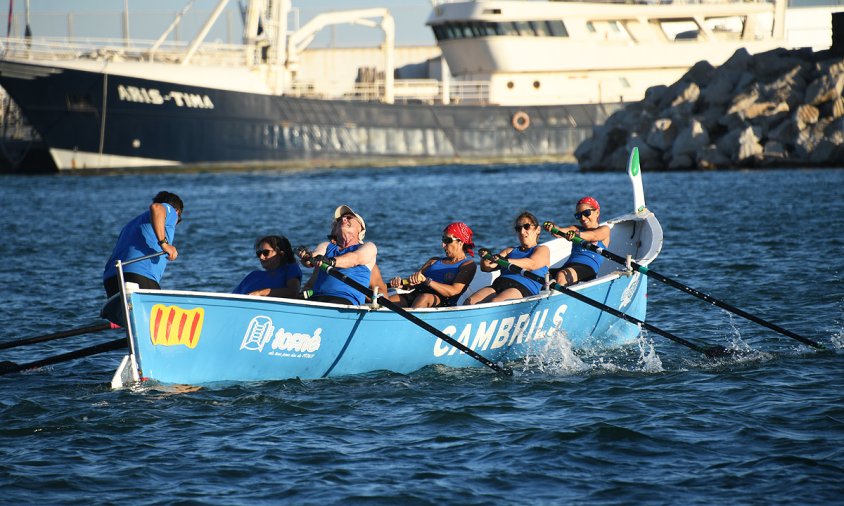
(541, 52)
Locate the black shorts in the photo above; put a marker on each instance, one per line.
(501, 283)
(112, 284)
(333, 300)
(584, 272)
(410, 298)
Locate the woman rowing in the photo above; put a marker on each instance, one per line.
(441, 280)
(582, 264)
(280, 277)
(527, 255)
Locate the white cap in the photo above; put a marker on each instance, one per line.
(344, 209)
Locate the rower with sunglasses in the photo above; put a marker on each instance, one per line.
(528, 255)
(281, 276)
(582, 264)
(441, 280)
(346, 251)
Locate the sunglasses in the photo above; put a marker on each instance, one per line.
(585, 212)
(449, 240)
(523, 226)
(263, 253)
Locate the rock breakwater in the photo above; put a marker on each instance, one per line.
(778, 108)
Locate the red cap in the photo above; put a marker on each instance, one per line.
(461, 231)
(591, 202)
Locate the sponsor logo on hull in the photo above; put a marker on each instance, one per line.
(261, 331)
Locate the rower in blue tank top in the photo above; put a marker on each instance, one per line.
(441, 281)
(280, 277)
(528, 255)
(348, 253)
(582, 264)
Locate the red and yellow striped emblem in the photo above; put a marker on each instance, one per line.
(172, 325)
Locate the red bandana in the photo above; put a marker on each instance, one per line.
(461, 231)
(589, 201)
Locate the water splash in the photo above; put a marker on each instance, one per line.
(736, 342)
(556, 355)
(649, 361)
(837, 340)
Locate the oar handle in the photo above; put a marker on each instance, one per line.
(326, 265)
(549, 226)
(712, 351)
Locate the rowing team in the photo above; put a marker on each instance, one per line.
(439, 282)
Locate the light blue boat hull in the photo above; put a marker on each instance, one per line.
(196, 338)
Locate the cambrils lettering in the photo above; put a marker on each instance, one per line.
(490, 335)
(156, 97)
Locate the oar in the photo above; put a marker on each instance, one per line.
(709, 351)
(58, 335)
(7, 367)
(330, 270)
(670, 282)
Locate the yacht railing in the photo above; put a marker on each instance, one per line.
(428, 91)
(60, 48)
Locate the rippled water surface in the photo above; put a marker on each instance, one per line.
(654, 423)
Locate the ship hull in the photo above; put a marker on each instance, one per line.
(96, 120)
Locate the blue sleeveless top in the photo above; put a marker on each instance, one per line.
(446, 273)
(582, 256)
(331, 286)
(531, 285)
(277, 278)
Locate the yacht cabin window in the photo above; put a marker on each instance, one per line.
(471, 29)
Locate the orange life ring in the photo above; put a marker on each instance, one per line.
(521, 121)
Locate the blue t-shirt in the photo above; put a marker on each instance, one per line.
(138, 239)
(331, 286)
(276, 278)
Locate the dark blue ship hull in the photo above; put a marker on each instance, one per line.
(141, 122)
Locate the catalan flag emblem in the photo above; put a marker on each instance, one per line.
(172, 325)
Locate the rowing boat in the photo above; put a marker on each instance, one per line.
(190, 337)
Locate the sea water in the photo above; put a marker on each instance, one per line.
(651, 423)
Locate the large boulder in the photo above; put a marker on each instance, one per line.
(785, 133)
(806, 115)
(808, 140)
(833, 109)
(825, 88)
(661, 134)
(710, 157)
(750, 148)
(690, 140)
